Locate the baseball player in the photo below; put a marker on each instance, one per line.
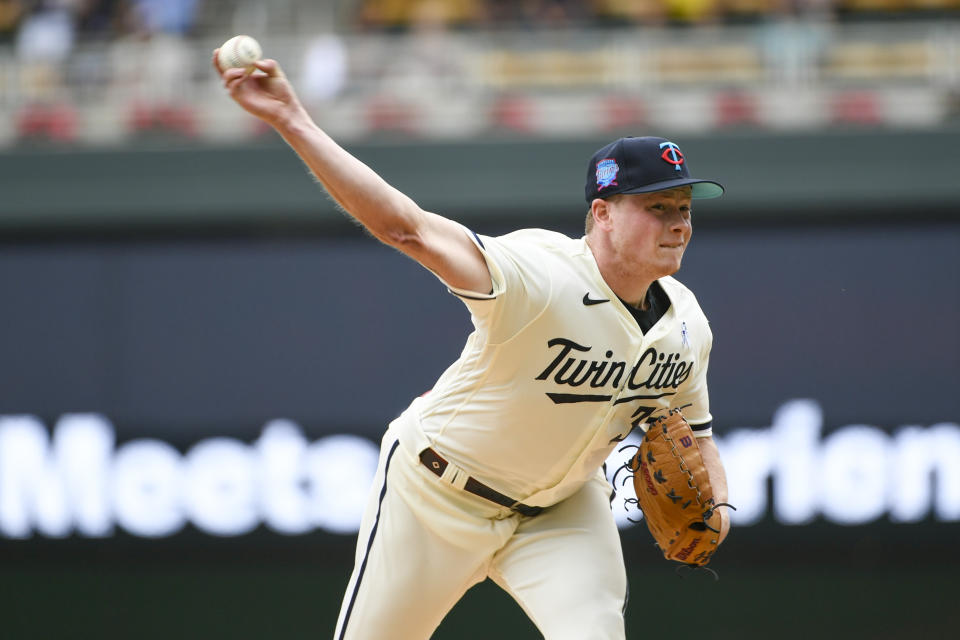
(497, 471)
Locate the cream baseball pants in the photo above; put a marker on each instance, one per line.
(423, 543)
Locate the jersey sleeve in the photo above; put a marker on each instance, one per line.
(693, 395)
(521, 285)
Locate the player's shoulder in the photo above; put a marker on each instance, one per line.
(534, 244)
(680, 294)
(538, 237)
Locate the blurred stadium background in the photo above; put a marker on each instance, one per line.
(199, 352)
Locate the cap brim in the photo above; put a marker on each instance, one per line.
(700, 189)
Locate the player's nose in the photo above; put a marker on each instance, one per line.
(679, 221)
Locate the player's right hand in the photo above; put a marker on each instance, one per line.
(264, 92)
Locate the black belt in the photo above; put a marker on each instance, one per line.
(432, 460)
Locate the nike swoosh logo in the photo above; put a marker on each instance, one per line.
(587, 300)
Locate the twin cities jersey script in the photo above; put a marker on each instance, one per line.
(558, 362)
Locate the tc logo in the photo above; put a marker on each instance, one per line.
(671, 153)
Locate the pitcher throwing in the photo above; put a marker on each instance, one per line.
(497, 472)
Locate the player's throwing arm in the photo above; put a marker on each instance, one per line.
(262, 89)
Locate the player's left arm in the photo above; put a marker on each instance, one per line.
(718, 480)
(694, 397)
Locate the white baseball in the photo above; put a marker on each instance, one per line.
(239, 51)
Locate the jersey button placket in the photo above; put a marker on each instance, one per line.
(623, 389)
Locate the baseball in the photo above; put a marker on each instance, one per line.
(239, 51)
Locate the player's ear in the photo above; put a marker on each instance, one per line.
(600, 212)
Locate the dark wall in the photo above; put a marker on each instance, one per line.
(339, 333)
(195, 325)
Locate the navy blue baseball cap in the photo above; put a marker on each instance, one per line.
(642, 165)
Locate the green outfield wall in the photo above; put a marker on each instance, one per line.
(850, 174)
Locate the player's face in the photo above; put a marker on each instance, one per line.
(650, 231)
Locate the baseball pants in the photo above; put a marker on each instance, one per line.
(423, 543)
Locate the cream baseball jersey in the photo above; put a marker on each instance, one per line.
(557, 371)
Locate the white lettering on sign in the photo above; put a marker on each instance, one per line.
(78, 482)
(147, 479)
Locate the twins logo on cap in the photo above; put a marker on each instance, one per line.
(642, 165)
(671, 153)
(607, 173)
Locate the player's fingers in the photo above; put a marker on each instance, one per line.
(216, 62)
(235, 81)
(234, 72)
(233, 76)
(269, 67)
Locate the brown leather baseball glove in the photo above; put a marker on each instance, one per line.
(674, 493)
